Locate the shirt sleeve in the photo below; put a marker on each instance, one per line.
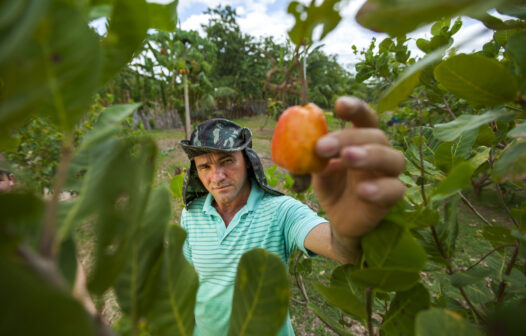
(297, 220)
(187, 252)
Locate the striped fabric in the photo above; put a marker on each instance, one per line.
(277, 223)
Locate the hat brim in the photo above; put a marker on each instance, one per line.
(193, 151)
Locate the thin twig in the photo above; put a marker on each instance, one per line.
(299, 280)
(509, 268)
(48, 235)
(475, 211)
(488, 254)
(448, 108)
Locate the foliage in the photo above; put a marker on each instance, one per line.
(477, 115)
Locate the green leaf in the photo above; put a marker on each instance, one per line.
(461, 76)
(518, 132)
(55, 73)
(52, 310)
(463, 145)
(114, 195)
(390, 246)
(342, 298)
(308, 18)
(176, 186)
(401, 316)
(173, 308)
(8, 143)
(444, 157)
(453, 129)
(136, 285)
(18, 19)
(405, 84)
(261, 295)
(459, 178)
(447, 228)
(480, 157)
(335, 325)
(469, 277)
(386, 280)
(516, 46)
(511, 164)
(443, 322)
(398, 17)
(127, 30)
(486, 136)
(163, 17)
(498, 235)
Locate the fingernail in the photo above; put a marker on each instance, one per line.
(354, 154)
(327, 146)
(369, 190)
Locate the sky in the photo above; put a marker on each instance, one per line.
(261, 18)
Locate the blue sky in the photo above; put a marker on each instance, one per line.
(270, 18)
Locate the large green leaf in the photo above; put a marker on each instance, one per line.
(401, 316)
(113, 196)
(163, 17)
(441, 322)
(398, 17)
(390, 246)
(466, 122)
(342, 298)
(405, 84)
(55, 73)
(511, 165)
(261, 295)
(386, 280)
(308, 18)
(50, 309)
(127, 30)
(516, 46)
(18, 19)
(461, 76)
(459, 178)
(136, 285)
(173, 308)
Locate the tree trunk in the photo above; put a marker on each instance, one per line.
(186, 107)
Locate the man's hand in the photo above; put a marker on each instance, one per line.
(360, 184)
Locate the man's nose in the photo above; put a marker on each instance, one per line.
(218, 173)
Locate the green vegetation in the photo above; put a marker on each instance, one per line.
(76, 116)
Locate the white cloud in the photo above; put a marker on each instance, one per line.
(262, 18)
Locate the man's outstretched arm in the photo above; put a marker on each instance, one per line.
(360, 184)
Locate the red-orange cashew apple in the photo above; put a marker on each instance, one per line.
(295, 136)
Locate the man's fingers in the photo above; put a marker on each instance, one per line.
(357, 111)
(384, 191)
(332, 144)
(377, 158)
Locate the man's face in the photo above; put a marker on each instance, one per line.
(224, 175)
(6, 181)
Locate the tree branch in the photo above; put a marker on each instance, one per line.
(47, 248)
(488, 254)
(475, 211)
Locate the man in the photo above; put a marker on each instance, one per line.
(230, 209)
(7, 179)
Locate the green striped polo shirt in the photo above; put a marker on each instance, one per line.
(278, 224)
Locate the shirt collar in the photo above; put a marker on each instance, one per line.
(255, 195)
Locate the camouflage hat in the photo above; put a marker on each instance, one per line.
(219, 135)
